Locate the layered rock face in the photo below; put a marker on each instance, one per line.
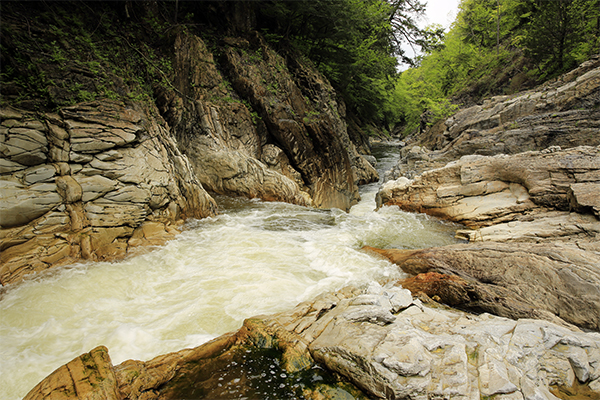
(92, 182)
(98, 179)
(89, 376)
(536, 213)
(270, 128)
(534, 195)
(537, 216)
(555, 282)
(380, 339)
(563, 113)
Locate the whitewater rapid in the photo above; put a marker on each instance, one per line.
(254, 258)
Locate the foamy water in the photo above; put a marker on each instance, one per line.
(254, 258)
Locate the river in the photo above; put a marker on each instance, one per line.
(254, 258)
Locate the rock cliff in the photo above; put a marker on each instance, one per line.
(564, 113)
(264, 125)
(91, 182)
(536, 212)
(94, 179)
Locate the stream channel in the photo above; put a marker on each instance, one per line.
(254, 258)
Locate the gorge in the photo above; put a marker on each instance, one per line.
(205, 236)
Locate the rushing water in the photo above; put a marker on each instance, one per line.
(254, 258)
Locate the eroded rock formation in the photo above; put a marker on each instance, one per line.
(384, 342)
(268, 126)
(522, 189)
(92, 182)
(89, 376)
(536, 212)
(97, 179)
(516, 280)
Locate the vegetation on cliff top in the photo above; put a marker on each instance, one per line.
(497, 47)
(59, 53)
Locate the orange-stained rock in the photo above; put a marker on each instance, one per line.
(88, 377)
(448, 289)
(552, 281)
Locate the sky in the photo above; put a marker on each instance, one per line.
(441, 12)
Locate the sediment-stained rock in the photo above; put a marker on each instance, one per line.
(386, 343)
(514, 280)
(78, 185)
(90, 376)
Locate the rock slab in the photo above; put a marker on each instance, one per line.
(391, 348)
(80, 184)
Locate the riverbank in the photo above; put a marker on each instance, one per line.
(391, 343)
(97, 164)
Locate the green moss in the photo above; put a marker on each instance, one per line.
(81, 54)
(256, 373)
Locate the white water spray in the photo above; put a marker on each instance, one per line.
(254, 258)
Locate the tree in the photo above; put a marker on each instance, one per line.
(353, 42)
(559, 33)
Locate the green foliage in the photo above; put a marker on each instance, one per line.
(498, 47)
(79, 55)
(560, 34)
(554, 35)
(418, 91)
(352, 42)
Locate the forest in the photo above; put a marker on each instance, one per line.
(494, 47)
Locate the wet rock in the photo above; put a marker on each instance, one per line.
(111, 168)
(516, 280)
(427, 351)
(90, 376)
(152, 233)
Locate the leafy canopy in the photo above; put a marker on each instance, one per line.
(355, 43)
(497, 47)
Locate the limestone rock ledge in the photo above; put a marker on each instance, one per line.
(92, 183)
(553, 281)
(388, 344)
(535, 234)
(531, 196)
